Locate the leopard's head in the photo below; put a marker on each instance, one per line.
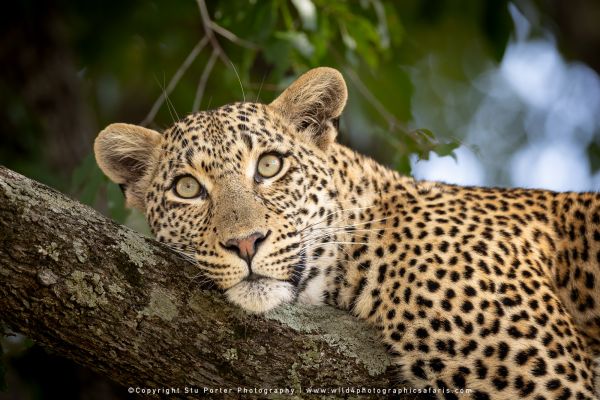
(244, 190)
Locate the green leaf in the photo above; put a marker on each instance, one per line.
(91, 188)
(299, 41)
(446, 149)
(402, 165)
(116, 203)
(87, 180)
(82, 172)
(278, 53)
(425, 132)
(593, 152)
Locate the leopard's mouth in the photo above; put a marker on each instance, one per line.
(258, 293)
(253, 277)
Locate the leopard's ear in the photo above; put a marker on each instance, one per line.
(127, 154)
(313, 104)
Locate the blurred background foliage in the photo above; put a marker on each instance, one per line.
(427, 79)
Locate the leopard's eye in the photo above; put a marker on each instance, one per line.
(188, 187)
(269, 165)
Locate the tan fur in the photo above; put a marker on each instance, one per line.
(486, 289)
(315, 99)
(124, 152)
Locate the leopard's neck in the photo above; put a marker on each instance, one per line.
(367, 191)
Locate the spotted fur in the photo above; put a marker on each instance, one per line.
(494, 290)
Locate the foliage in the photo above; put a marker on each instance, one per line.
(127, 59)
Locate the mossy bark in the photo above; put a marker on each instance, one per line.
(124, 305)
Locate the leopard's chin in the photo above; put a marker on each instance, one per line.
(259, 296)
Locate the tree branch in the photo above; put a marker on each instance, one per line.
(232, 37)
(175, 80)
(128, 307)
(210, 27)
(208, 31)
(203, 81)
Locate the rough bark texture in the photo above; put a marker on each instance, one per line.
(126, 306)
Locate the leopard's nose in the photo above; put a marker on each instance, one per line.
(246, 247)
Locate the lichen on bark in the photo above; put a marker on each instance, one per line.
(86, 289)
(128, 307)
(161, 305)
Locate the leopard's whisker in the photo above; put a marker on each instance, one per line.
(349, 230)
(349, 226)
(320, 235)
(341, 233)
(324, 218)
(323, 244)
(366, 222)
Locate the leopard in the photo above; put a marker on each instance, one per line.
(494, 290)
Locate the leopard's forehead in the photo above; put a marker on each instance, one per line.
(222, 141)
(225, 126)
